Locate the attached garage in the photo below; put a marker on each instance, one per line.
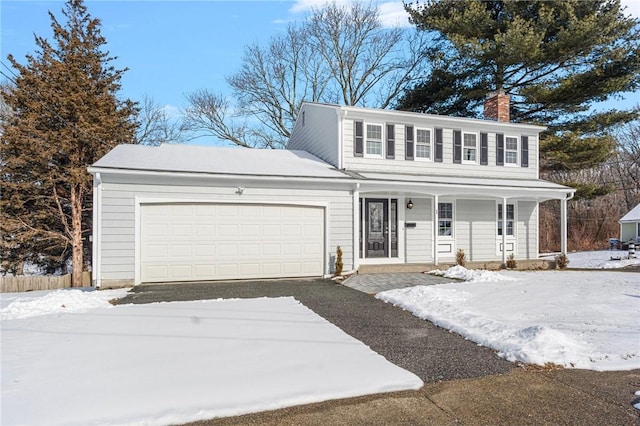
(214, 241)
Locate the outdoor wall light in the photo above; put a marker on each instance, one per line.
(410, 204)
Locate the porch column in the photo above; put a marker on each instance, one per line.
(356, 227)
(563, 225)
(504, 231)
(435, 229)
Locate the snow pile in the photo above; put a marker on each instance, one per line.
(25, 305)
(472, 275)
(576, 319)
(173, 363)
(637, 404)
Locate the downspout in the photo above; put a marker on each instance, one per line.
(504, 231)
(435, 229)
(96, 262)
(356, 227)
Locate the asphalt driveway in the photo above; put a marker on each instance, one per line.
(464, 383)
(430, 352)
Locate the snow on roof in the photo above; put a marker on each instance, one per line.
(218, 160)
(632, 216)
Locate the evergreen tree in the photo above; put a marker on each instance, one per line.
(60, 114)
(555, 58)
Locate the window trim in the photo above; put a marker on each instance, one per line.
(416, 143)
(366, 140)
(452, 219)
(477, 148)
(514, 220)
(516, 151)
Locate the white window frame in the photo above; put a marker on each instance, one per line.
(476, 148)
(516, 151)
(381, 141)
(452, 219)
(514, 220)
(416, 143)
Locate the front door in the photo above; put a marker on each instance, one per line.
(377, 227)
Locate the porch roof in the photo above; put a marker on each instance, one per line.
(483, 187)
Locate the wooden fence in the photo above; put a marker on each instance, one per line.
(46, 282)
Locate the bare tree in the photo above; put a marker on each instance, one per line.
(342, 54)
(155, 125)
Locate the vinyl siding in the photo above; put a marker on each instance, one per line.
(317, 133)
(475, 229)
(628, 231)
(527, 230)
(417, 166)
(419, 240)
(117, 249)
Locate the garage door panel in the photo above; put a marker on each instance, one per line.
(227, 241)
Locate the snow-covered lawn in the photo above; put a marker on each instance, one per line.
(601, 259)
(69, 357)
(581, 319)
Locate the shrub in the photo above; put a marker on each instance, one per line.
(562, 261)
(461, 258)
(511, 262)
(339, 264)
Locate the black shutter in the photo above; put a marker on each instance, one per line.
(438, 156)
(524, 160)
(391, 141)
(499, 149)
(358, 140)
(408, 153)
(484, 149)
(457, 146)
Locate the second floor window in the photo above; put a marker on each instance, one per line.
(423, 143)
(470, 147)
(509, 219)
(510, 150)
(374, 140)
(445, 219)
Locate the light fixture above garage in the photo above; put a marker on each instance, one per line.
(410, 204)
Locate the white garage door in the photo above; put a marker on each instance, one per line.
(189, 242)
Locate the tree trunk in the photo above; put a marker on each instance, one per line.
(76, 235)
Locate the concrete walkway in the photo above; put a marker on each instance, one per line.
(375, 283)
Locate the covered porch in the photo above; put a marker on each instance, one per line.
(417, 219)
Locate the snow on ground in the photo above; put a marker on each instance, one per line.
(170, 363)
(581, 319)
(600, 259)
(472, 275)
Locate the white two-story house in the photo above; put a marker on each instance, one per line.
(389, 187)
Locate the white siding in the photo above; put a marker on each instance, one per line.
(118, 217)
(316, 131)
(475, 229)
(527, 230)
(419, 240)
(446, 167)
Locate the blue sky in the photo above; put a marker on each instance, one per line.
(176, 47)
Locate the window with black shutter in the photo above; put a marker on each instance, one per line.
(408, 153)
(391, 141)
(438, 143)
(358, 139)
(499, 149)
(484, 149)
(457, 146)
(524, 160)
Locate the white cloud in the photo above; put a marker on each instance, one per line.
(633, 7)
(392, 13)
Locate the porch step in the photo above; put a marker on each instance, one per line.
(401, 267)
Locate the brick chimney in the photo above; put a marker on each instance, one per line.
(496, 106)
